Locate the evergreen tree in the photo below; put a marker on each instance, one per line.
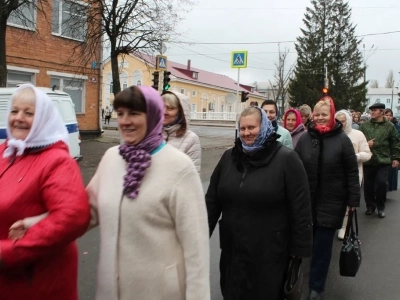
(328, 41)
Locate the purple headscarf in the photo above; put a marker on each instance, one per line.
(138, 156)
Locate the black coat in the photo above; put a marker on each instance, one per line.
(266, 215)
(332, 171)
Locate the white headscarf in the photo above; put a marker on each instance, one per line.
(349, 122)
(47, 128)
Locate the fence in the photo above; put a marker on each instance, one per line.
(216, 116)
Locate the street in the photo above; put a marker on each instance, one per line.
(380, 269)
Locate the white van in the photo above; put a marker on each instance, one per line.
(65, 106)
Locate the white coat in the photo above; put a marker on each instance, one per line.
(360, 144)
(155, 246)
(189, 142)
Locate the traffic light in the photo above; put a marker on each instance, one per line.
(156, 79)
(325, 91)
(166, 84)
(244, 96)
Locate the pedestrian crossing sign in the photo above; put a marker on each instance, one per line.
(161, 62)
(239, 59)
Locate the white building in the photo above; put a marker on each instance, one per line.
(387, 96)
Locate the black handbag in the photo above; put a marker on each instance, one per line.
(350, 255)
(294, 279)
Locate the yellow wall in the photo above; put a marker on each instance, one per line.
(200, 96)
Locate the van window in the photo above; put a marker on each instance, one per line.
(68, 111)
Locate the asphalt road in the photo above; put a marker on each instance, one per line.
(379, 273)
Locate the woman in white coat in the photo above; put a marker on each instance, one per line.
(176, 126)
(154, 242)
(361, 148)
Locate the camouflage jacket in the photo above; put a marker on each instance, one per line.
(386, 146)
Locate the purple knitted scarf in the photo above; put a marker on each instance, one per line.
(138, 156)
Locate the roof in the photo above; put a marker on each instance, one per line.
(181, 71)
(382, 91)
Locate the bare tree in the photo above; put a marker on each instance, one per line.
(389, 80)
(130, 26)
(14, 9)
(282, 77)
(373, 84)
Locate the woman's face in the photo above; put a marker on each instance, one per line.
(304, 118)
(356, 119)
(322, 115)
(389, 116)
(342, 119)
(170, 114)
(270, 111)
(21, 117)
(249, 128)
(290, 121)
(132, 125)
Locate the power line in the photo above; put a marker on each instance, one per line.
(281, 8)
(261, 43)
(225, 61)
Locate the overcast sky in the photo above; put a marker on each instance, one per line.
(236, 21)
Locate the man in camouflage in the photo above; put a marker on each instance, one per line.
(384, 142)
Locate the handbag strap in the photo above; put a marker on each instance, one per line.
(351, 219)
(356, 221)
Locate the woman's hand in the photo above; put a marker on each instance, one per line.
(17, 230)
(352, 208)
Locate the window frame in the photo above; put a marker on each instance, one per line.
(82, 109)
(61, 22)
(34, 15)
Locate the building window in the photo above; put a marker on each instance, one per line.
(73, 87)
(111, 87)
(387, 100)
(222, 108)
(137, 77)
(195, 75)
(24, 16)
(123, 77)
(123, 65)
(15, 78)
(183, 91)
(194, 93)
(194, 107)
(211, 106)
(69, 19)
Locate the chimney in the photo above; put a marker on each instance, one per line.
(188, 64)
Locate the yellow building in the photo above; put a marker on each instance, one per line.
(210, 93)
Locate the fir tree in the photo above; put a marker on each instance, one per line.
(328, 41)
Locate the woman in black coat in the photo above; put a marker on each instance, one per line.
(261, 190)
(331, 165)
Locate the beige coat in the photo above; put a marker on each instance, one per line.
(156, 246)
(189, 143)
(359, 142)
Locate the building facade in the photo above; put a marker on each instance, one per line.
(208, 92)
(387, 96)
(44, 48)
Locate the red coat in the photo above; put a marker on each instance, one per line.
(43, 264)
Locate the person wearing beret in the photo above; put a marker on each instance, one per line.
(384, 142)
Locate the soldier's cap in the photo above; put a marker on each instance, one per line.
(377, 105)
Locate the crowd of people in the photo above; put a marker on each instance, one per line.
(280, 193)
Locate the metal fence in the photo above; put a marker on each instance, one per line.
(217, 116)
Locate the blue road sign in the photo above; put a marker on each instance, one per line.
(239, 59)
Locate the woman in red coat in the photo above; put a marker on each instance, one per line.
(37, 175)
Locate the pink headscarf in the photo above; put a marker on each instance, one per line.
(138, 157)
(298, 117)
